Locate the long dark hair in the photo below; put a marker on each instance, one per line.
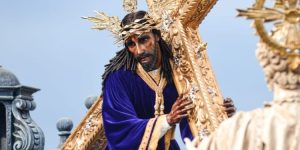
(124, 59)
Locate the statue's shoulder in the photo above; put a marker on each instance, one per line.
(121, 74)
(244, 119)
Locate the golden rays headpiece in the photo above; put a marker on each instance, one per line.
(284, 39)
(156, 18)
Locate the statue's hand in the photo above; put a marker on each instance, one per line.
(179, 110)
(229, 107)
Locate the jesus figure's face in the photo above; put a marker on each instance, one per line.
(145, 49)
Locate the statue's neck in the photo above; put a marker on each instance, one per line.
(155, 75)
(281, 94)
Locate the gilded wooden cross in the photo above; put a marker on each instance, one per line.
(192, 71)
(193, 74)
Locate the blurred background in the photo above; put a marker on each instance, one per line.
(47, 45)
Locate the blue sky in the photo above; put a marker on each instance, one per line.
(48, 46)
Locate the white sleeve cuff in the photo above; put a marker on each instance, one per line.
(165, 127)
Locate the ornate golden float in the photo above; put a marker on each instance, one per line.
(193, 75)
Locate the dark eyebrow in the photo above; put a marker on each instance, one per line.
(142, 36)
(128, 42)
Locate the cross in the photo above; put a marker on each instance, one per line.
(192, 71)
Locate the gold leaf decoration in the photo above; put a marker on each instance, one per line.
(103, 21)
(130, 5)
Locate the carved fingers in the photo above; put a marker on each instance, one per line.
(179, 110)
(229, 107)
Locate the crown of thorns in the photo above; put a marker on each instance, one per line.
(158, 17)
(145, 24)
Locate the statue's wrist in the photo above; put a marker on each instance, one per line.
(169, 120)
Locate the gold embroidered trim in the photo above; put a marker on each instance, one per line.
(168, 136)
(147, 134)
(156, 132)
(158, 107)
(158, 89)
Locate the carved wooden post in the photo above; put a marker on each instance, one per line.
(16, 102)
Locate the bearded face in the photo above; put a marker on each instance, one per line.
(148, 60)
(145, 50)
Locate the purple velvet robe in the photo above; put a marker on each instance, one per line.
(128, 104)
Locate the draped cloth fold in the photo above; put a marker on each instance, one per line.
(128, 113)
(274, 127)
(151, 134)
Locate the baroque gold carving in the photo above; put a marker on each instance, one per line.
(195, 78)
(193, 12)
(90, 132)
(192, 71)
(130, 5)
